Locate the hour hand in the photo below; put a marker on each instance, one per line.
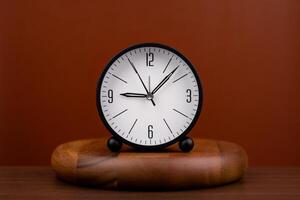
(129, 94)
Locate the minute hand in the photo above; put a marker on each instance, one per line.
(164, 81)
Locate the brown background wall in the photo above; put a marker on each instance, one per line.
(246, 52)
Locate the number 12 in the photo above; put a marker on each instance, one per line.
(149, 59)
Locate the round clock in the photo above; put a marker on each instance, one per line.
(149, 96)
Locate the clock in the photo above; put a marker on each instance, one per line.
(149, 96)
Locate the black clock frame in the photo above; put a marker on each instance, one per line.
(138, 146)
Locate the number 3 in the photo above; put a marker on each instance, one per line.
(189, 95)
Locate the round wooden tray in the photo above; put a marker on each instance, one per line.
(89, 162)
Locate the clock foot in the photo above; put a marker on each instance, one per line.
(186, 144)
(113, 144)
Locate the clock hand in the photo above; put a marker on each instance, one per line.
(149, 84)
(140, 79)
(164, 80)
(129, 94)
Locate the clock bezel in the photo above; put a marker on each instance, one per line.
(140, 146)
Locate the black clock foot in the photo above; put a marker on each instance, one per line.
(186, 144)
(113, 144)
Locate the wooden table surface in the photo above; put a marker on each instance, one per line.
(258, 183)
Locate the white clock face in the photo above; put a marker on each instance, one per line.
(149, 95)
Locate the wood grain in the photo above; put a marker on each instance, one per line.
(89, 162)
(31, 182)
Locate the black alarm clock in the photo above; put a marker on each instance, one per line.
(149, 96)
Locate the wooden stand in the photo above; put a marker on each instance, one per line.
(90, 162)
